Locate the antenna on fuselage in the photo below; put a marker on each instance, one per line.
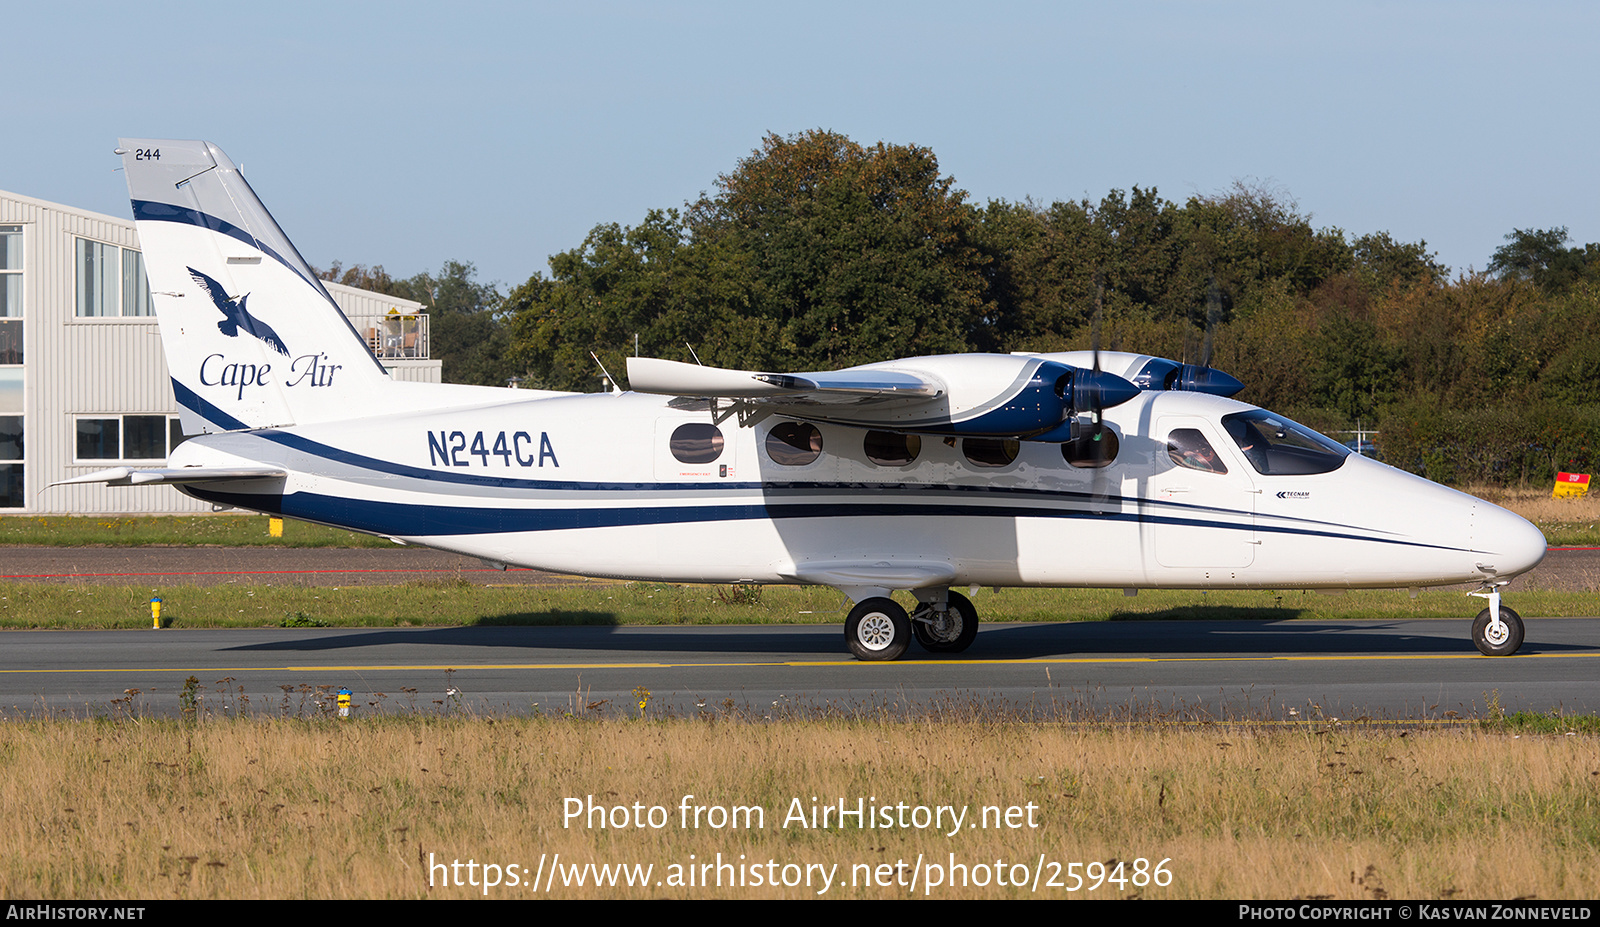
(610, 381)
(694, 355)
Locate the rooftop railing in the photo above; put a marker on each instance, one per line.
(394, 336)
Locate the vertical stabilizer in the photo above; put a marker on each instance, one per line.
(252, 337)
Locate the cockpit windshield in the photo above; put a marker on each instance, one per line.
(1275, 445)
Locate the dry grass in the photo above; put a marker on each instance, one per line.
(321, 809)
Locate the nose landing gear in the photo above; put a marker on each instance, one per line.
(1497, 631)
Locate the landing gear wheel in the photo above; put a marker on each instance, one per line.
(954, 634)
(1494, 642)
(877, 629)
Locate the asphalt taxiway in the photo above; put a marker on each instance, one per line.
(1189, 670)
(1257, 669)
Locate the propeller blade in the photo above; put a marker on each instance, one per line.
(1213, 316)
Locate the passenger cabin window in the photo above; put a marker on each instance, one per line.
(1087, 453)
(990, 452)
(794, 444)
(887, 449)
(696, 443)
(1277, 446)
(1189, 448)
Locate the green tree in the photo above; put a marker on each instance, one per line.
(648, 287)
(1382, 261)
(859, 253)
(467, 327)
(1354, 369)
(1247, 237)
(1538, 256)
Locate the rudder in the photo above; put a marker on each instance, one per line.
(252, 337)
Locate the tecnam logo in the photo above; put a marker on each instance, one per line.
(1294, 495)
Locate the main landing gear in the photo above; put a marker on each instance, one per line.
(879, 629)
(1497, 631)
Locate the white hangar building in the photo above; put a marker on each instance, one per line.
(83, 381)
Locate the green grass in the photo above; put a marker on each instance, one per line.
(172, 531)
(1528, 722)
(441, 603)
(1569, 534)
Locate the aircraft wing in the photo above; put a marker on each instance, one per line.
(128, 476)
(834, 387)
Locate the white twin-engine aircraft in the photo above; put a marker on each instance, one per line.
(916, 475)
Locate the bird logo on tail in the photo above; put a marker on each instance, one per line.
(236, 316)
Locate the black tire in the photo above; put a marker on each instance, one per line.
(877, 629)
(1499, 647)
(958, 636)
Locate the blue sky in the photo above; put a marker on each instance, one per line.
(406, 134)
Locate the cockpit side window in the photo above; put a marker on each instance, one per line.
(1189, 448)
(1277, 446)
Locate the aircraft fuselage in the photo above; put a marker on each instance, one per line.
(590, 484)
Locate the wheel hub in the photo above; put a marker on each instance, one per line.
(875, 631)
(940, 626)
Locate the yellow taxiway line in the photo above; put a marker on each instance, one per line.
(1034, 661)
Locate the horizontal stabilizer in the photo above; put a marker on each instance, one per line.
(852, 385)
(128, 476)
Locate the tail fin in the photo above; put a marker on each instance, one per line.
(252, 337)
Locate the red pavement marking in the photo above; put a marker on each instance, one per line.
(237, 573)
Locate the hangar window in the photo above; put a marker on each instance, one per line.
(11, 421)
(1087, 453)
(10, 294)
(990, 452)
(11, 494)
(127, 437)
(99, 439)
(10, 271)
(794, 444)
(111, 281)
(887, 449)
(696, 443)
(10, 437)
(1189, 448)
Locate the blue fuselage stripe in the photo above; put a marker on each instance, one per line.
(404, 519)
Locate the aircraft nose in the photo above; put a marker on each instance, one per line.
(1511, 543)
